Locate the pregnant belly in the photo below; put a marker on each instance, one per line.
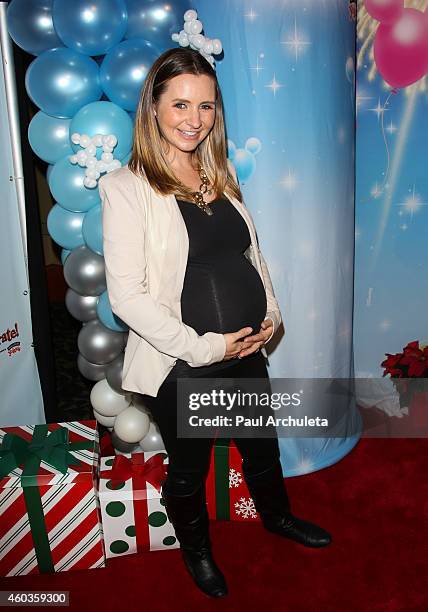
(223, 297)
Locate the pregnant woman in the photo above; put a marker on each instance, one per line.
(185, 273)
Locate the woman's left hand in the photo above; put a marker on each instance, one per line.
(254, 342)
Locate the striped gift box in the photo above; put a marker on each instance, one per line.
(49, 510)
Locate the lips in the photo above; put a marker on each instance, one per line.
(189, 135)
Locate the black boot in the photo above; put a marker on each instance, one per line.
(271, 501)
(188, 514)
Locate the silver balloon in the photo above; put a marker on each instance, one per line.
(152, 441)
(121, 445)
(98, 344)
(84, 271)
(114, 375)
(91, 371)
(81, 307)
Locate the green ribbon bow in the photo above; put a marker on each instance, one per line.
(52, 448)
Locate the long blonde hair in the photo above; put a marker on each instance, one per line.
(148, 158)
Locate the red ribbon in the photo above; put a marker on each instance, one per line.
(141, 471)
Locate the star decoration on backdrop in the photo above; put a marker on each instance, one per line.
(251, 15)
(274, 85)
(289, 181)
(391, 129)
(412, 203)
(376, 192)
(296, 44)
(257, 67)
(379, 109)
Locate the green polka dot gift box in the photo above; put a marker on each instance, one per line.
(133, 513)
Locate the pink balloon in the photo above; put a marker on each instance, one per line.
(401, 49)
(386, 11)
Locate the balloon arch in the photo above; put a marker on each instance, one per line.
(91, 61)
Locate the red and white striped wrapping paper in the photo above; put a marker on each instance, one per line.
(70, 505)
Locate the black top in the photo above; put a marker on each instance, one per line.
(222, 290)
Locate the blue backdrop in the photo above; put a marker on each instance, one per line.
(288, 80)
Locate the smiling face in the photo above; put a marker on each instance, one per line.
(186, 112)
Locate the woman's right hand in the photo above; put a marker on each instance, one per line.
(234, 342)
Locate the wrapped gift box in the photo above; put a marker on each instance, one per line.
(228, 497)
(132, 509)
(49, 512)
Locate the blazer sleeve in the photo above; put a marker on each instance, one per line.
(124, 232)
(272, 312)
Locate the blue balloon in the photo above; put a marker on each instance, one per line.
(66, 185)
(93, 230)
(125, 160)
(31, 27)
(60, 81)
(65, 227)
(64, 254)
(245, 164)
(106, 315)
(91, 27)
(155, 20)
(124, 71)
(104, 118)
(49, 137)
(48, 172)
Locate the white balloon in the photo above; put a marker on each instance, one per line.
(115, 164)
(190, 15)
(73, 159)
(91, 149)
(106, 401)
(217, 46)
(91, 162)
(131, 425)
(89, 183)
(107, 149)
(175, 36)
(208, 46)
(92, 173)
(107, 157)
(198, 40)
(85, 140)
(111, 140)
(183, 40)
(195, 27)
(152, 441)
(75, 138)
(104, 420)
(188, 27)
(101, 166)
(97, 140)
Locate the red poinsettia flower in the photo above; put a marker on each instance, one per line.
(416, 359)
(390, 364)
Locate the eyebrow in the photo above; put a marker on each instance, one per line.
(189, 102)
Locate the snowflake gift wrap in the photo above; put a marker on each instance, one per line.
(133, 514)
(228, 497)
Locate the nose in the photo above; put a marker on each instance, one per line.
(193, 118)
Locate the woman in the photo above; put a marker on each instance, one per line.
(185, 273)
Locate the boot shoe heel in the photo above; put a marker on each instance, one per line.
(205, 573)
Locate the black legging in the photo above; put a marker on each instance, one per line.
(189, 458)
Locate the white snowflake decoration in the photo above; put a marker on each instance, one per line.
(235, 478)
(245, 508)
(191, 35)
(87, 156)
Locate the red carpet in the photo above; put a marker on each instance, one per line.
(375, 504)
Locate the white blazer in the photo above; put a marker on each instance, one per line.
(146, 247)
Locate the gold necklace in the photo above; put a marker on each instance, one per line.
(198, 196)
